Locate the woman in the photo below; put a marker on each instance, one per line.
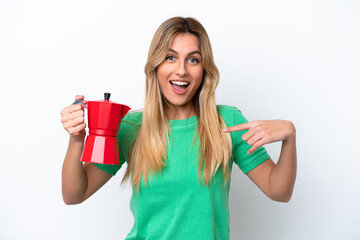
(185, 143)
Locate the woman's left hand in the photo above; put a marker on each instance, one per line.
(262, 132)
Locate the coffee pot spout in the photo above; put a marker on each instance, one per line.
(124, 110)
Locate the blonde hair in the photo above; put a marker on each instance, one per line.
(148, 154)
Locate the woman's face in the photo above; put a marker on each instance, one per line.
(181, 73)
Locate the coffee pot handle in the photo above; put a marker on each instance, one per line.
(84, 103)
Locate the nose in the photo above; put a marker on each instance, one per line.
(181, 70)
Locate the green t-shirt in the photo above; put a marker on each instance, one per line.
(174, 206)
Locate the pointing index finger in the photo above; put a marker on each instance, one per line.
(240, 127)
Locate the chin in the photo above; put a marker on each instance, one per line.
(178, 103)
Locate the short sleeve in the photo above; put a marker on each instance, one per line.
(245, 161)
(111, 169)
(126, 136)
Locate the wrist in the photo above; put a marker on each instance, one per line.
(292, 133)
(77, 139)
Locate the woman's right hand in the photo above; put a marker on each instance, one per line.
(72, 118)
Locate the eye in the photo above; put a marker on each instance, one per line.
(194, 60)
(170, 58)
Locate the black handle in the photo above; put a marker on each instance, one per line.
(77, 101)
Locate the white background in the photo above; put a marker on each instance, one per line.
(294, 60)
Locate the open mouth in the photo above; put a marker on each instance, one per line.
(179, 86)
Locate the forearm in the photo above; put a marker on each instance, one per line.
(283, 176)
(74, 179)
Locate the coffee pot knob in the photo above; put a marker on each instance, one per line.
(107, 96)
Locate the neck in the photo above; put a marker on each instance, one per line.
(180, 112)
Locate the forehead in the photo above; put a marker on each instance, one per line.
(185, 42)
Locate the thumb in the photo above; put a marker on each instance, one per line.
(79, 97)
(78, 100)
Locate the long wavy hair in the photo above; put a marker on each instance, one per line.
(148, 154)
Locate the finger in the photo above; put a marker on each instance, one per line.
(73, 123)
(78, 120)
(254, 139)
(78, 100)
(72, 116)
(256, 146)
(71, 108)
(79, 97)
(239, 127)
(77, 130)
(249, 134)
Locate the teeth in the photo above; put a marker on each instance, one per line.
(179, 83)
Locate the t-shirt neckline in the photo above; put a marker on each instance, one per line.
(183, 122)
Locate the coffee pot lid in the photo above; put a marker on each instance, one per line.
(106, 99)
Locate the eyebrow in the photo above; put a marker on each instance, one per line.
(190, 53)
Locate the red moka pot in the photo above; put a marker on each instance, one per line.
(104, 119)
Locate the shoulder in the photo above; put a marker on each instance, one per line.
(130, 124)
(231, 115)
(225, 109)
(134, 116)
